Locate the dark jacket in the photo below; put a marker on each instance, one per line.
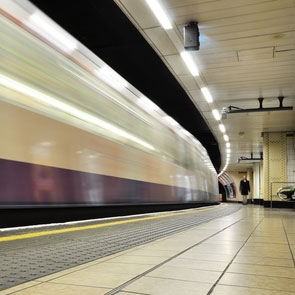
(244, 187)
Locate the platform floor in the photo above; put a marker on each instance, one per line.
(247, 252)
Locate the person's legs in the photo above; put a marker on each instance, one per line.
(244, 199)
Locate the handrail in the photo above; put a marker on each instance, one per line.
(285, 196)
(283, 182)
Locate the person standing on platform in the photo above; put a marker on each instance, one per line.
(244, 189)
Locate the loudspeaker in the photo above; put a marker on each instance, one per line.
(191, 36)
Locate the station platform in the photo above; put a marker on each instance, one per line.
(226, 249)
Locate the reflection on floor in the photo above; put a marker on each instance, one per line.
(248, 252)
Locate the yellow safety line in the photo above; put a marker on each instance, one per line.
(66, 230)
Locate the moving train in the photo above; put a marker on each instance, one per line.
(74, 132)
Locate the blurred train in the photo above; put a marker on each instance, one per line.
(75, 133)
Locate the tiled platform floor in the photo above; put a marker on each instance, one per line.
(249, 252)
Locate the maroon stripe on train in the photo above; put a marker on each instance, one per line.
(26, 183)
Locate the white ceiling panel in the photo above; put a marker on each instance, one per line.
(183, 15)
(176, 63)
(247, 25)
(256, 53)
(189, 82)
(203, 106)
(197, 96)
(246, 19)
(209, 7)
(247, 51)
(141, 13)
(161, 40)
(178, 3)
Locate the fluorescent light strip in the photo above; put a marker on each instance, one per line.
(226, 138)
(228, 151)
(222, 128)
(207, 94)
(12, 84)
(216, 114)
(159, 13)
(189, 63)
(227, 144)
(52, 32)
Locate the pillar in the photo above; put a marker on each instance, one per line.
(274, 164)
(256, 181)
(250, 178)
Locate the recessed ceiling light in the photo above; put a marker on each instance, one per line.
(159, 12)
(207, 94)
(216, 114)
(222, 128)
(227, 144)
(225, 137)
(189, 63)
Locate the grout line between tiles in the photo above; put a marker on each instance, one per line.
(224, 271)
(82, 268)
(179, 280)
(256, 288)
(260, 275)
(23, 288)
(288, 241)
(280, 266)
(119, 288)
(139, 293)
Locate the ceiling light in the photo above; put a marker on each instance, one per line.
(52, 32)
(159, 13)
(227, 144)
(228, 151)
(190, 63)
(222, 128)
(207, 94)
(225, 137)
(216, 114)
(111, 78)
(75, 112)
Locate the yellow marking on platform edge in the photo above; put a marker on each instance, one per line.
(66, 230)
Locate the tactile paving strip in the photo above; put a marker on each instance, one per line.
(29, 259)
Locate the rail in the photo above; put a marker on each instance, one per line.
(279, 190)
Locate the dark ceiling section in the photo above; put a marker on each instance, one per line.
(104, 29)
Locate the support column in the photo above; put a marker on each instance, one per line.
(250, 178)
(274, 164)
(256, 183)
(261, 180)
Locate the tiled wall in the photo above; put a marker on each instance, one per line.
(274, 163)
(291, 158)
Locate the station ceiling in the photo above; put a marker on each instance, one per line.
(247, 51)
(106, 30)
